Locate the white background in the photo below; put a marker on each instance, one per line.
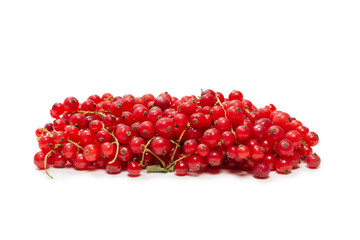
(302, 56)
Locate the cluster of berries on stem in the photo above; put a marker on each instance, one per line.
(169, 134)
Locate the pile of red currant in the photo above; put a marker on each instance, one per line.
(169, 134)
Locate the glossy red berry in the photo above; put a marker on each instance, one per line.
(107, 150)
(311, 139)
(160, 145)
(190, 146)
(203, 150)
(137, 145)
(261, 170)
(284, 148)
(80, 162)
(39, 160)
(214, 158)
(181, 168)
(133, 169)
(162, 102)
(146, 129)
(165, 127)
(68, 150)
(294, 137)
(91, 152)
(236, 95)
(243, 133)
(113, 167)
(71, 104)
(194, 162)
(243, 152)
(211, 137)
(313, 160)
(283, 165)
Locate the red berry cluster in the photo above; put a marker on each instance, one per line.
(167, 134)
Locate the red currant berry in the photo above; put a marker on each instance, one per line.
(124, 134)
(284, 148)
(125, 154)
(227, 138)
(294, 137)
(257, 153)
(181, 168)
(283, 165)
(313, 160)
(165, 127)
(80, 162)
(197, 120)
(216, 112)
(207, 100)
(211, 137)
(39, 160)
(146, 129)
(203, 150)
(113, 167)
(261, 170)
(102, 136)
(59, 137)
(46, 143)
(274, 134)
(214, 158)
(95, 126)
(86, 137)
(194, 162)
(160, 145)
(234, 114)
(107, 150)
(222, 124)
(91, 152)
(243, 152)
(162, 102)
(243, 133)
(270, 159)
(190, 146)
(311, 139)
(236, 95)
(134, 169)
(71, 104)
(59, 161)
(68, 150)
(137, 145)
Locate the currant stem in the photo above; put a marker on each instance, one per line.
(173, 163)
(117, 145)
(145, 149)
(156, 156)
(77, 145)
(222, 106)
(45, 162)
(177, 145)
(90, 112)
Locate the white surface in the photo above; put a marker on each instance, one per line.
(302, 56)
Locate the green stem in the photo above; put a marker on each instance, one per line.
(156, 156)
(45, 162)
(145, 149)
(177, 146)
(117, 145)
(77, 145)
(177, 160)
